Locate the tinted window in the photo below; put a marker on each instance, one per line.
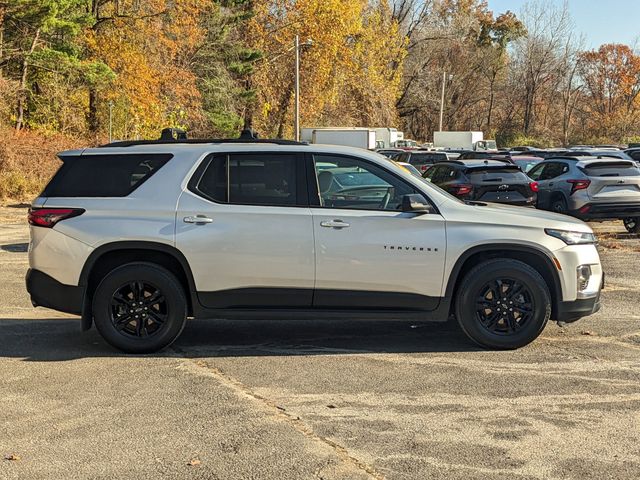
(253, 179)
(496, 175)
(422, 158)
(103, 175)
(444, 173)
(611, 169)
(356, 184)
(552, 170)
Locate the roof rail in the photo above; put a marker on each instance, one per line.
(176, 135)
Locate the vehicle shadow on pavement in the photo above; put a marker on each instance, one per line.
(61, 339)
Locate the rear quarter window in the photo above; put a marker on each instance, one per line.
(103, 175)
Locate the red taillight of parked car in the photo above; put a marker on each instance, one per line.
(461, 189)
(48, 217)
(423, 168)
(578, 185)
(533, 186)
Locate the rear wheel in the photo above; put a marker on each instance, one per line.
(503, 304)
(140, 308)
(559, 205)
(632, 224)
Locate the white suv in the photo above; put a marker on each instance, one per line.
(138, 236)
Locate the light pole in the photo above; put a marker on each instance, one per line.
(444, 81)
(110, 121)
(296, 122)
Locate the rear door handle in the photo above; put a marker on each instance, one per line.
(334, 224)
(198, 219)
(551, 184)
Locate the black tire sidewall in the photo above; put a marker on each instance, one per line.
(470, 289)
(636, 228)
(562, 203)
(174, 297)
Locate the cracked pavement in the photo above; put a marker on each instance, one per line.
(330, 400)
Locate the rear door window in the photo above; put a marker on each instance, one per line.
(553, 170)
(252, 179)
(103, 175)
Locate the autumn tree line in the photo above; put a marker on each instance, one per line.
(85, 67)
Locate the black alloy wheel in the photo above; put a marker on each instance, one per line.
(504, 306)
(502, 303)
(138, 309)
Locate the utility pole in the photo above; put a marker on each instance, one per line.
(444, 80)
(296, 123)
(110, 121)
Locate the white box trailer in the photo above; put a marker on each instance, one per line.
(386, 137)
(462, 140)
(350, 137)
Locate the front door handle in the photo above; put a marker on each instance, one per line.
(551, 184)
(334, 224)
(198, 219)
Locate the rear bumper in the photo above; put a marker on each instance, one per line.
(46, 291)
(603, 211)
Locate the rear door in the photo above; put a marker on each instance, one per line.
(245, 227)
(369, 254)
(613, 181)
(546, 175)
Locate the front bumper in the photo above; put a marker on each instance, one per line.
(571, 311)
(604, 211)
(47, 292)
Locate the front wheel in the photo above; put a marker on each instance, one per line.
(140, 308)
(503, 304)
(632, 224)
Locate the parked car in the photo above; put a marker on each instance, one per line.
(484, 180)
(421, 159)
(390, 152)
(411, 169)
(634, 153)
(492, 155)
(598, 153)
(137, 236)
(590, 188)
(540, 153)
(526, 163)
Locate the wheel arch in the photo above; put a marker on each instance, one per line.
(535, 258)
(112, 255)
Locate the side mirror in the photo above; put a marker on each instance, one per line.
(416, 203)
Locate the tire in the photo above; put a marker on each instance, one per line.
(632, 224)
(140, 308)
(559, 205)
(491, 324)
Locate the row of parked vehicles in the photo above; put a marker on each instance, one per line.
(592, 184)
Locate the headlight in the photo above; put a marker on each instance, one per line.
(571, 238)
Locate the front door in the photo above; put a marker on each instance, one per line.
(245, 227)
(369, 254)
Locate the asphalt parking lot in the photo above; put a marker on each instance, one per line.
(331, 400)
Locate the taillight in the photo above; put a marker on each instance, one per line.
(578, 185)
(533, 186)
(48, 217)
(423, 168)
(461, 189)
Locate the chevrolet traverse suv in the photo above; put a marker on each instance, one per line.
(135, 237)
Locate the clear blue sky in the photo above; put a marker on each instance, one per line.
(601, 21)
